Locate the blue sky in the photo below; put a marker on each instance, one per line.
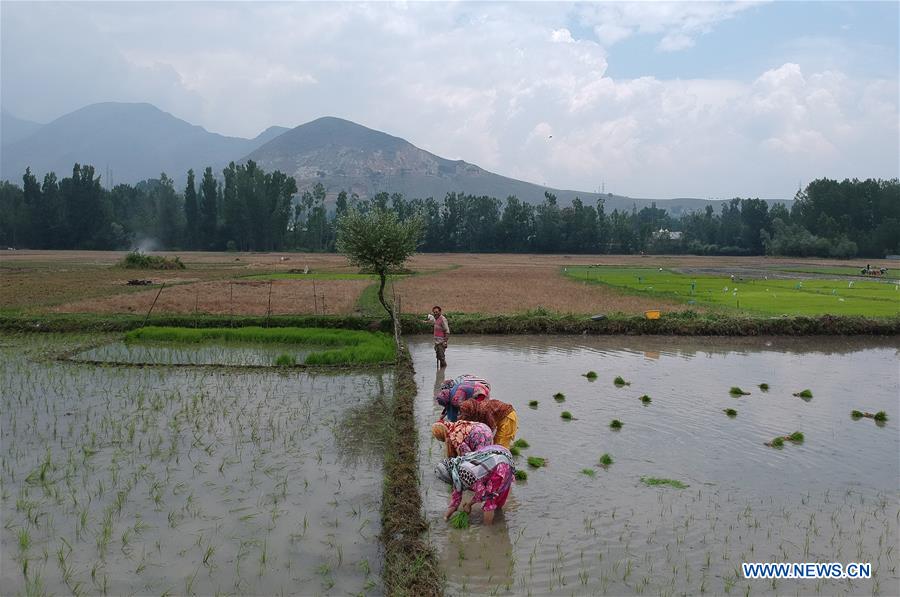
(652, 99)
(862, 36)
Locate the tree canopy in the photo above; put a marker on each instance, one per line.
(378, 241)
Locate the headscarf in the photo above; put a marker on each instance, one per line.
(439, 431)
(489, 412)
(463, 471)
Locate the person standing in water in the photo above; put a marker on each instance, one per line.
(441, 335)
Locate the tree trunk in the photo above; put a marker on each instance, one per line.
(384, 304)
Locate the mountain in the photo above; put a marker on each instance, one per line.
(13, 129)
(343, 155)
(139, 141)
(135, 141)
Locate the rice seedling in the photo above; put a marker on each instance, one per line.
(521, 443)
(796, 437)
(645, 399)
(778, 442)
(460, 520)
(620, 382)
(805, 394)
(285, 360)
(730, 412)
(654, 481)
(533, 403)
(764, 387)
(559, 396)
(588, 472)
(879, 417)
(615, 424)
(736, 391)
(536, 461)
(514, 450)
(606, 460)
(590, 375)
(521, 475)
(566, 415)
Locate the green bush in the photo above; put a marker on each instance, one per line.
(138, 260)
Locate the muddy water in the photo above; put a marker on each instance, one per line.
(832, 498)
(186, 481)
(191, 354)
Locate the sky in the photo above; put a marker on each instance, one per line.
(646, 99)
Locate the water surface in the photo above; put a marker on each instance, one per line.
(832, 498)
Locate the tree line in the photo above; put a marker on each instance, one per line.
(245, 208)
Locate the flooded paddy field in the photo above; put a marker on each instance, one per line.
(578, 527)
(123, 480)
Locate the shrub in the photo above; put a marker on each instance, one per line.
(138, 260)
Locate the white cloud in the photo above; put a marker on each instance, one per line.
(488, 83)
(679, 23)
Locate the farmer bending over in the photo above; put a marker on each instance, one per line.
(499, 416)
(487, 472)
(462, 437)
(456, 391)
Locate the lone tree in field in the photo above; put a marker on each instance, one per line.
(378, 241)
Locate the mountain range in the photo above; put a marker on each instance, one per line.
(129, 142)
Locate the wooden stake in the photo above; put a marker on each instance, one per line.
(154, 303)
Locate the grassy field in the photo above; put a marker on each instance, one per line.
(761, 296)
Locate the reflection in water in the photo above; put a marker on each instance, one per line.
(832, 498)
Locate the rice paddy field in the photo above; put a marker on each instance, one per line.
(673, 498)
(122, 480)
(751, 293)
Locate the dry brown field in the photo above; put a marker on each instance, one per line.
(88, 281)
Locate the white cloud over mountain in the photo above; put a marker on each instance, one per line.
(487, 83)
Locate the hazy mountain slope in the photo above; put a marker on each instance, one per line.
(135, 141)
(13, 129)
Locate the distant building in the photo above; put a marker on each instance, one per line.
(663, 234)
